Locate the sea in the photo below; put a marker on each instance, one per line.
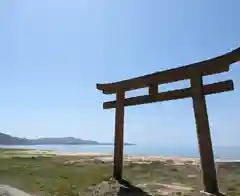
(220, 152)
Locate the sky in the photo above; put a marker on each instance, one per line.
(52, 54)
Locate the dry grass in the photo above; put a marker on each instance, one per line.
(72, 176)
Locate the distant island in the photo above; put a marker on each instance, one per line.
(6, 139)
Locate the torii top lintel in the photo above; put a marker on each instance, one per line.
(208, 67)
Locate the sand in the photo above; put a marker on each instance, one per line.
(109, 157)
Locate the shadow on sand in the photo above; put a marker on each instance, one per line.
(129, 189)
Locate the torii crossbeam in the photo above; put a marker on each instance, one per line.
(193, 72)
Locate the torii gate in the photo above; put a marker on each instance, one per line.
(193, 72)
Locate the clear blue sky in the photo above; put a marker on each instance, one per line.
(54, 52)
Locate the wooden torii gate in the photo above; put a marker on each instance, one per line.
(193, 72)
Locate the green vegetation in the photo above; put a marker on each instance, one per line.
(49, 175)
(72, 176)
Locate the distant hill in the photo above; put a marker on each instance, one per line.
(64, 140)
(9, 140)
(6, 139)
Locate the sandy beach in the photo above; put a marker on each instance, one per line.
(109, 157)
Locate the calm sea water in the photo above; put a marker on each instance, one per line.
(231, 153)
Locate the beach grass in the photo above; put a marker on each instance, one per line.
(73, 175)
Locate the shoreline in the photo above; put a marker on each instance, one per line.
(108, 157)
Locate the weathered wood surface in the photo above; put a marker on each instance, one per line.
(197, 91)
(204, 138)
(173, 95)
(153, 89)
(118, 144)
(207, 67)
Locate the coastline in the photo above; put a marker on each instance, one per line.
(108, 157)
(145, 158)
